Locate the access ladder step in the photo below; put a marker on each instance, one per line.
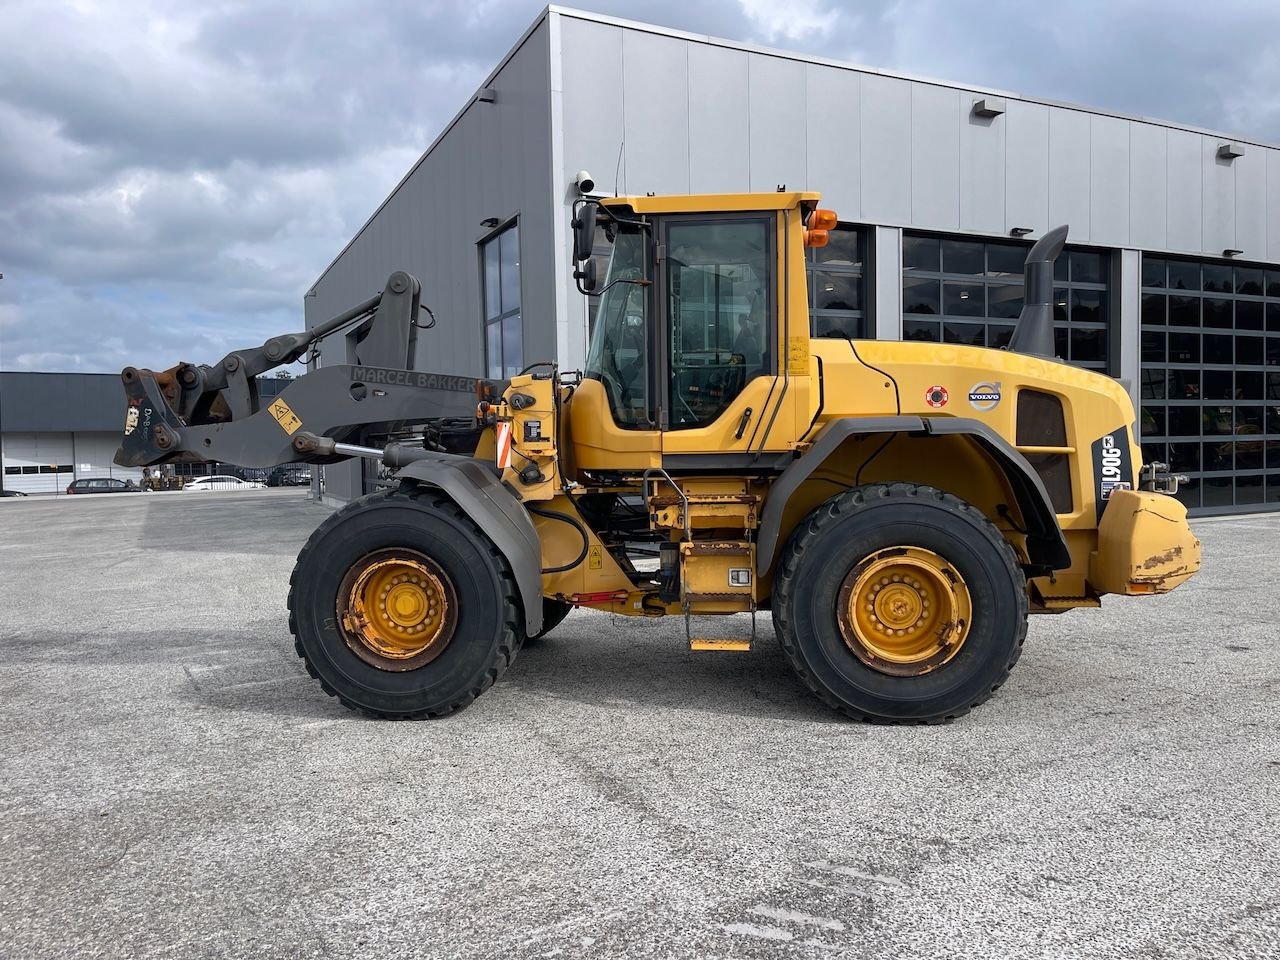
(730, 644)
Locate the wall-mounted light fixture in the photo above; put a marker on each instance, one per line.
(486, 95)
(1231, 252)
(490, 222)
(988, 107)
(1229, 151)
(1021, 231)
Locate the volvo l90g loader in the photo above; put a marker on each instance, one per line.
(899, 508)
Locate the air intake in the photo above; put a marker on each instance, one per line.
(1034, 332)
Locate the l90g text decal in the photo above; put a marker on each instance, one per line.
(1112, 466)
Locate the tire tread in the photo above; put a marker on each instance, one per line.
(434, 502)
(816, 524)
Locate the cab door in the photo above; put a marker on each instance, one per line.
(718, 305)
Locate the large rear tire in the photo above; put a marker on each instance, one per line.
(402, 608)
(899, 603)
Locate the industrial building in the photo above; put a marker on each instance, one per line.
(1171, 280)
(60, 427)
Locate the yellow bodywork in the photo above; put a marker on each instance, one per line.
(1144, 545)
(565, 439)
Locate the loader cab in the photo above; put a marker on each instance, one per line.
(697, 298)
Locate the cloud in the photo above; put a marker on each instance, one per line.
(173, 176)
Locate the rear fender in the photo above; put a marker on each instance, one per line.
(473, 486)
(1046, 546)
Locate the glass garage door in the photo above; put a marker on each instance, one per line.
(1211, 380)
(960, 290)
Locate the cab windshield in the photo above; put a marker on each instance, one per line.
(618, 353)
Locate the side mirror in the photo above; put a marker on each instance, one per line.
(585, 275)
(584, 231)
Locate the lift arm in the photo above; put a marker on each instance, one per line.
(192, 413)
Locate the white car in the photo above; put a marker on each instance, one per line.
(222, 483)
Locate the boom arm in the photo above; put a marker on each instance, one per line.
(194, 413)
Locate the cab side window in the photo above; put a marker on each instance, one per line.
(720, 310)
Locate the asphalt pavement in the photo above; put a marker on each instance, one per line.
(173, 785)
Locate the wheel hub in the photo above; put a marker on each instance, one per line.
(904, 611)
(397, 609)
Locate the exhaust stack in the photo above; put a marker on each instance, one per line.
(1034, 332)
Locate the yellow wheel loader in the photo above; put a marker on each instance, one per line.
(898, 508)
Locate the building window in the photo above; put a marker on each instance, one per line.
(503, 334)
(970, 292)
(837, 297)
(1211, 379)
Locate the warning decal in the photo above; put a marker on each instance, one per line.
(285, 416)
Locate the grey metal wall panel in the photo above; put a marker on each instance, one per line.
(886, 283)
(1127, 269)
(1219, 192)
(832, 113)
(1251, 203)
(1273, 206)
(719, 120)
(655, 97)
(593, 100)
(1069, 171)
(936, 171)
(58, 402)
(777, 135)
(982, 164)
(885, 142)
(1184, 219)
(1148, 185)
(1026, 181)
(1109, 180)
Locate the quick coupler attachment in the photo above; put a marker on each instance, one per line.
(151, 428)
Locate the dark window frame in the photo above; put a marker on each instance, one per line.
(1229, 445)
(1067, 329)
(662, 372)
(504, 368)
(816, 268)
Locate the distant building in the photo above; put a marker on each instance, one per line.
(1172, 280)
(60, 427)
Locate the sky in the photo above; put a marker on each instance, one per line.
(175, 175)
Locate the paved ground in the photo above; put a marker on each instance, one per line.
(173, 785)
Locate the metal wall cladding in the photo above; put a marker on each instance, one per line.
(714, 118)
(48, 402)
(493, 162)
(1148, 185)
(1026, 181)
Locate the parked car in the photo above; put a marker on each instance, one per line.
(12, 493)
(102, 485)
(289, 477)
(222, 483)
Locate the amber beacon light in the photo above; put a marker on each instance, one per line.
(817, 232)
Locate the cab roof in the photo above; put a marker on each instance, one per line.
(715, 202)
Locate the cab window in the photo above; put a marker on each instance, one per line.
(618, 356)
(720, 309)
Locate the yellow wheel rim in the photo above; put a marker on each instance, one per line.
(904, 611)
(397, 609)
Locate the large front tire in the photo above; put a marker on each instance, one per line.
(900, 603)
(402, 608)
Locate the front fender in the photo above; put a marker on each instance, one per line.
(472, 485)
